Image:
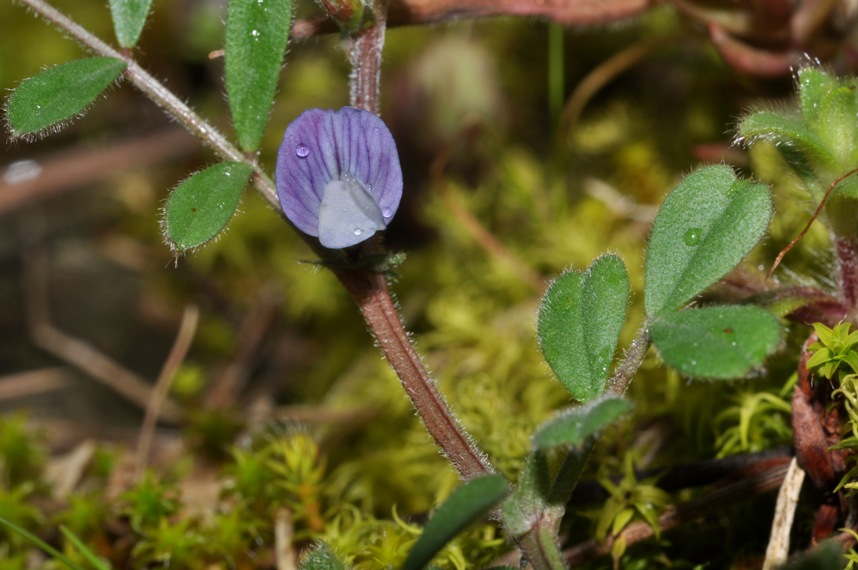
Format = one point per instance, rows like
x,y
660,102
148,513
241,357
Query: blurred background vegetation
x,y
285,402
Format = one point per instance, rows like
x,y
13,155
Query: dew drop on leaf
x,y
692,236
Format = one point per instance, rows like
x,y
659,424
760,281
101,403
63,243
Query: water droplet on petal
x,y
386,213
358,231
302,150
692,236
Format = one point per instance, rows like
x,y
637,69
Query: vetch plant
x,y
338,180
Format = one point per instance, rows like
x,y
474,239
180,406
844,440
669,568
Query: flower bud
x,y
338,175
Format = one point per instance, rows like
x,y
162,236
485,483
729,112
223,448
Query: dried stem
x,y
421,12
604,73
815,215
33,382
162,96
162,386
77,352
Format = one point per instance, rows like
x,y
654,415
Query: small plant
x,y
338,180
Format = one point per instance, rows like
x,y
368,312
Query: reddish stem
x,y
369,288
370,291
416,12
365,57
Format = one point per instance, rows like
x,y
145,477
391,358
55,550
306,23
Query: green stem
x,y
626,371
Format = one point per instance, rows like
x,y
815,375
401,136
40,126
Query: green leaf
x,y
38,542
704,228
574,425
826,335
827,556
813,86
59,93
784,132
321,557
200,207
837,123
129,16
716,342
96,562
256,35
467,503
580,320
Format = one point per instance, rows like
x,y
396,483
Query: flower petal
x,y
348,214
320,147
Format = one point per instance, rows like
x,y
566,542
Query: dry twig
x,y
162,386
77,352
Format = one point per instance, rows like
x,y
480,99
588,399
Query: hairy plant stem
x,y
370,291
626,371
158,93
364,50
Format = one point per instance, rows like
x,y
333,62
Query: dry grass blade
x,y
185,336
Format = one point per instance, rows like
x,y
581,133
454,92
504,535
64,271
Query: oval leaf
x,y
467,503
200,207
574,425
256,35
129,16
704,228
59,93
786,133
837,124
716,342
580,320
814,85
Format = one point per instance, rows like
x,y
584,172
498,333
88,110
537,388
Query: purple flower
x,y
338,175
